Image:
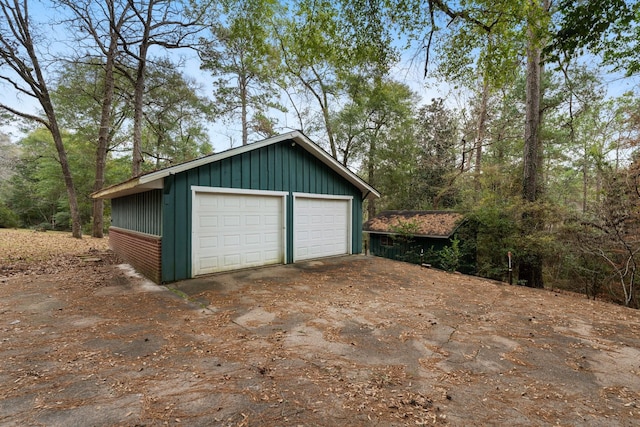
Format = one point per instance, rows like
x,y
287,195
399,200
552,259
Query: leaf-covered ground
x,y
357,341
37,252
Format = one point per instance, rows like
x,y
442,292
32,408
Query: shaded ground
x,y
344,341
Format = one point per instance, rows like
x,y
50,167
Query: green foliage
x,y
606,27
62,221
496,232
610,231
36,189
453,255
118,170
450,257
466,49
8,156
243,57
437,137
376,129
8,218
36,192
493,224
78,101
405,229
175,117
330,51
404,245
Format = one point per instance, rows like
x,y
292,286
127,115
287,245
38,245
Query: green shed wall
x,y
399,248
410,252
140,212
278,167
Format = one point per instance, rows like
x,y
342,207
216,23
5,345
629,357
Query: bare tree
x,y
101,22
613,233
160,23
21,68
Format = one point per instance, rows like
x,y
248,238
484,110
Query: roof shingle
x,y
423,223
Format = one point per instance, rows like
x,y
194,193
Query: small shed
x,y
277,201
406,234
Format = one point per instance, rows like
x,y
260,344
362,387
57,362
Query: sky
x,y
223,136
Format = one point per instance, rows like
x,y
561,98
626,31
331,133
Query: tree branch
x,y
462,14
25,115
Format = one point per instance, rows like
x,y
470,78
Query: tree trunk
x,y
52,125
323,100
243,112
138,116
158,149
371,203
585,182
28,70
530,265
329,127
480,131
76,223
104,136
97,229
139,93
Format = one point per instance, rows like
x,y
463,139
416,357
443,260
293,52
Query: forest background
x,y
530,126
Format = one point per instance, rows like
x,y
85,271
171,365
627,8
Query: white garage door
x,y
232,231
321,227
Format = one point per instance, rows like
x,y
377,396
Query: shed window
x,y
386,241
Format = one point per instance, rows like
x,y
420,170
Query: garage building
x,y
277,201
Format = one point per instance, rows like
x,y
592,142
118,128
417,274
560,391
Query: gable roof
x,y
439,224
155,180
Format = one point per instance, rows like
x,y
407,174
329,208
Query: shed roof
x,y
439,224
155,180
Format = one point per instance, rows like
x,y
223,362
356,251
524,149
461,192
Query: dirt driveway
x,y
351,341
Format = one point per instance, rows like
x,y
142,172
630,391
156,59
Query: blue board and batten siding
x,y
140,212
283,166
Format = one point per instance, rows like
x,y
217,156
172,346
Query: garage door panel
x,y
272,220
321,227
252,220
231,221
234,231
232,202
252,257
272,238
210,262
208,242
252,203
231,241
208,202
273,202
209,221
231,260
272,256
252,239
